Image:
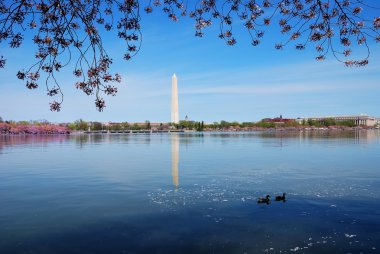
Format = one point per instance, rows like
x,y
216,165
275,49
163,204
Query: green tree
x,y
200,126
190,125
23,123
291,124
328,122
264,124
116,127
224,124
96,126
135,126
125,125
72,126
147,125
348,123
312,122
81,125
246,124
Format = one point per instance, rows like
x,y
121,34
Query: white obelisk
x,y
175,114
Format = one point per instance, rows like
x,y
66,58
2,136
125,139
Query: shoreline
x,y
229,130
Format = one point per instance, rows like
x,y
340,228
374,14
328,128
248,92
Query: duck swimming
x,y
280,198
264,200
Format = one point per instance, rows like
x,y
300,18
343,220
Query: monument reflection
x,y
175,158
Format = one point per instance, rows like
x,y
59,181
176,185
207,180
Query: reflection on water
x,y
16,140
175,158
279,136
115,193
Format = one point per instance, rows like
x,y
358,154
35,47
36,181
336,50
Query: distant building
x,y
278,120
152,125
362,119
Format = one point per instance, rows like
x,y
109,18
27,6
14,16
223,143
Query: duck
x,y
264,200
280,198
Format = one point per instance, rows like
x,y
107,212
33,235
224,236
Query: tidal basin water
x,y
190,193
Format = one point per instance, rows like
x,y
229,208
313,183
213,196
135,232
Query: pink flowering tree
x,y
22,128
4,128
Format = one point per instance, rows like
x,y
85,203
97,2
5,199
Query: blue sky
x,y
216,82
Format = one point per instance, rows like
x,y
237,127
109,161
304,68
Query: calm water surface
x,y
190,193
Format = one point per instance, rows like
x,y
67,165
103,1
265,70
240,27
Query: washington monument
x,y
175,114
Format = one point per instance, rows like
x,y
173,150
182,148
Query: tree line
x,y
82,125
